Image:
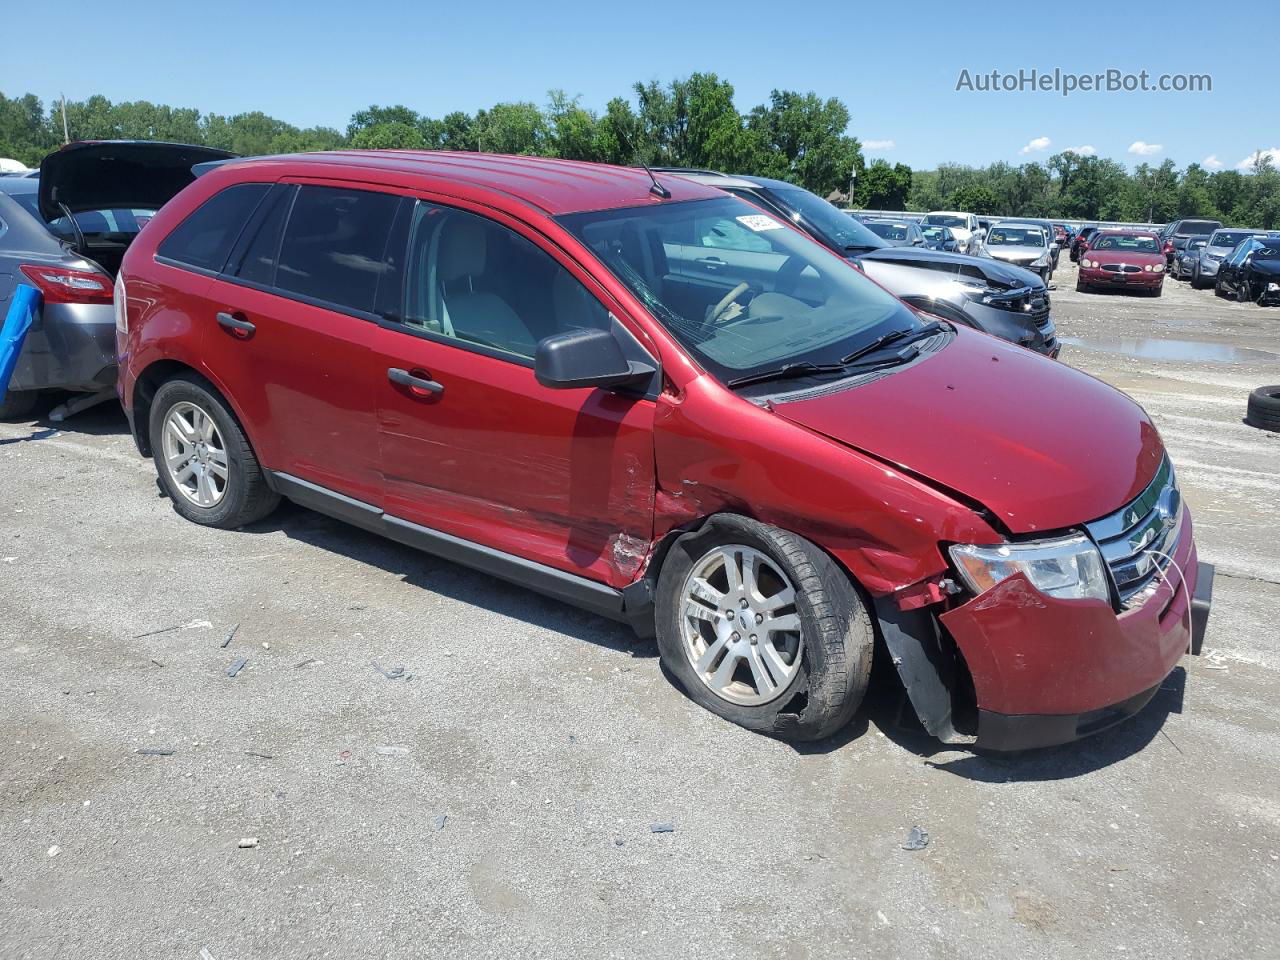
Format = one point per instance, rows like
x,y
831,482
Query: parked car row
x,y
679,399
1243,265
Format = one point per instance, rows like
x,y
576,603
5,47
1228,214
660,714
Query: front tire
x,y
203,459
761,627
18,403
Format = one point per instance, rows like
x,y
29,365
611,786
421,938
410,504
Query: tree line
x,y
1079,187
691,122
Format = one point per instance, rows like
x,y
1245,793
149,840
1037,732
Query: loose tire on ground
x,y
832,661
1263,410
242,495
18,403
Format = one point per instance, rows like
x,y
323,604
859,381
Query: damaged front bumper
x,y
1040,670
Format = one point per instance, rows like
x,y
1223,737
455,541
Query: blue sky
x,y
895,64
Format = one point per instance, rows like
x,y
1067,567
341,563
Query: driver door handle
x,y
711,263
241,329
418,386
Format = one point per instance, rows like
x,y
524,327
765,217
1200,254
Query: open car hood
x,y
1039,444
996,273
117,174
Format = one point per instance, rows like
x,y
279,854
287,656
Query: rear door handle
x,y
418,386
242,329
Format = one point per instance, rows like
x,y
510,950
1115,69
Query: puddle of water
x,y
1152,349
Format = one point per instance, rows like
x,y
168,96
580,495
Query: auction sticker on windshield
x,y
759,222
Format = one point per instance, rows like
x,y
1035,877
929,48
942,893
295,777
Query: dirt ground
x,y
500,802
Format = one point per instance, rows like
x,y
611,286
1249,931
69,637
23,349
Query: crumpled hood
x,y
1040,444
118,174
997,273
1269,267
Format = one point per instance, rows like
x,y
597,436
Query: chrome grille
x,y
1122,267
1136,541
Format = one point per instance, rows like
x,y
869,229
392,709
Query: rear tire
x,y
819,671
203,459
18,403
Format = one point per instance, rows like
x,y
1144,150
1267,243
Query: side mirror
x,y
917,241
585,358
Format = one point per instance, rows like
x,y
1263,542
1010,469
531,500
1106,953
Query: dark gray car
x,y
65,233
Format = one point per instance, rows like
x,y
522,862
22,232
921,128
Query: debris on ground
x,y
917,839
206,955
247,843
156,662
156,751
237,665
305,662
662,828
391,673
53,851
438,822
258,754
156,633
393,751
230,636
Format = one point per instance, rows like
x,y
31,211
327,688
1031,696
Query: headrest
x,y
462,249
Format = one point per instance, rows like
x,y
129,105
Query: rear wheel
x,y
763,628
18,403
203,459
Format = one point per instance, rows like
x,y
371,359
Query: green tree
x,y
516,128
389,135
574,131
974,198
882,187
802,138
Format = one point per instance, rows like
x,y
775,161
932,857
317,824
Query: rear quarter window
x,y
205,238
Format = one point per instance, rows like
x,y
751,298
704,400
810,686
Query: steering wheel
x,y
789,274
723,305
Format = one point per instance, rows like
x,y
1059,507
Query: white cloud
x,y
879,144
1144,149
1088,150
1038,145
1211,162
1248,162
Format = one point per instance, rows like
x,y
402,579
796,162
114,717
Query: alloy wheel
x,y
740,625
195,455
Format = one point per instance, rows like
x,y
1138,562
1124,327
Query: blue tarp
x,y
16,324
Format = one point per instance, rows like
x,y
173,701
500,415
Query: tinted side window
x,y
206,237
334,244
474,280
257,263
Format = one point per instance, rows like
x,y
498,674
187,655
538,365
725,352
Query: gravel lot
x,y
499,803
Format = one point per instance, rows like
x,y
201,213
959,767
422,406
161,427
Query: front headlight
x,y
1041,261
1158,268
1087,263
1273,288
1070,568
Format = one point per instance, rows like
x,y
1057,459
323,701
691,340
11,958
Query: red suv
x,y
547,370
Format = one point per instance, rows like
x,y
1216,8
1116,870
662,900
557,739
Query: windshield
x,y
937,233
1128,243
942,220
837,226
1015,237
890,231
1198,227
92,223
742,292
1228,238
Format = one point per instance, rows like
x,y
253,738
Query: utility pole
x,y
66,135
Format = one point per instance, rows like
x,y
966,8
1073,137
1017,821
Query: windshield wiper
x,y
788,371
893,336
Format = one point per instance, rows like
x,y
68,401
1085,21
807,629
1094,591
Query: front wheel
x,y
203,459
18,403
763,628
